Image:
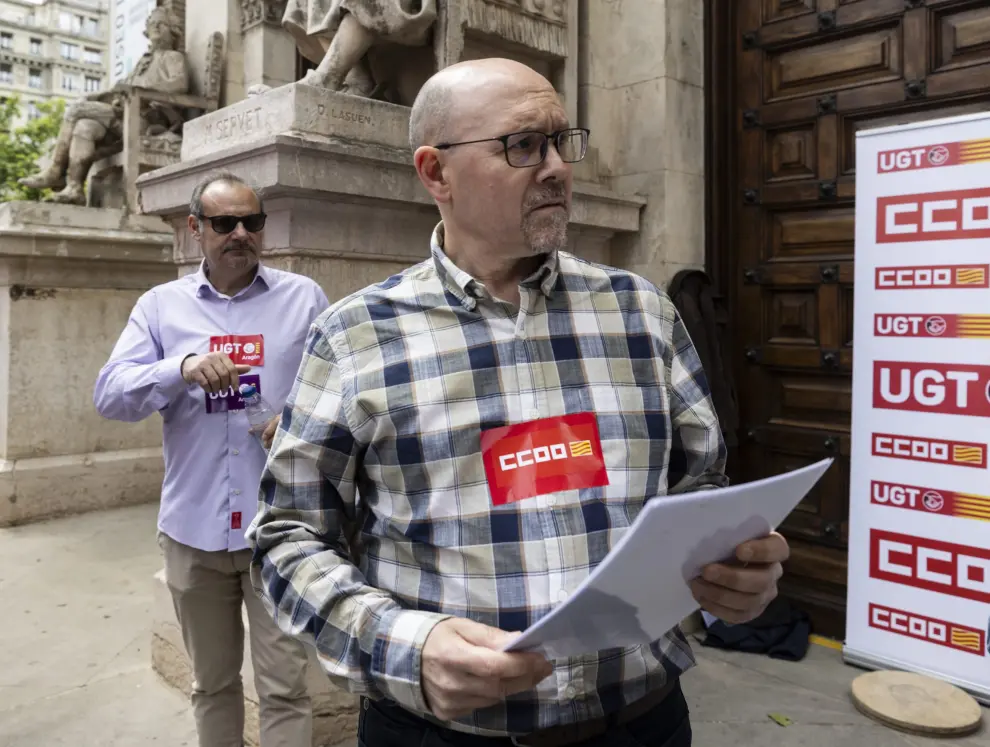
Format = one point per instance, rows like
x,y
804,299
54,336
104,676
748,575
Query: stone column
x,y
269,50
203,19
642,89
69,277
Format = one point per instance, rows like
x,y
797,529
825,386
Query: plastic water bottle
x,y
259,412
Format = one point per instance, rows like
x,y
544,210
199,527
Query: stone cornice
x,y
292,164
256,12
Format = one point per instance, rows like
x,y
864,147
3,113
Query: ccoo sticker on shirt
x,y
231,399
247,350
543,456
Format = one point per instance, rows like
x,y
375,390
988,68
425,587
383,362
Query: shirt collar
x,y
262,278
468,290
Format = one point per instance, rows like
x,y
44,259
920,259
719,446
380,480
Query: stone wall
x,y
631,70
642,95
69,277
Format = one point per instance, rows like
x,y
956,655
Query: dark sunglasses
x,y
227,223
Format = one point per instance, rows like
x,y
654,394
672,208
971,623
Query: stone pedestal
x,y
335,711
203,19
269,50
345,205
642,95
69,277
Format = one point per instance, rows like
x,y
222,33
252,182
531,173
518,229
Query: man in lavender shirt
x,y
187,346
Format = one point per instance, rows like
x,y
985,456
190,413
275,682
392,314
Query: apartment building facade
x,y
53,49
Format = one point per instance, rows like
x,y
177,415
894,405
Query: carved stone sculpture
x,y
340,34
93,126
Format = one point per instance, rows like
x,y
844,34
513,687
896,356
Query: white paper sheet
x,y
640,590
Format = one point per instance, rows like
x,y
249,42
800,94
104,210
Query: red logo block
x,y
932,276
934,216
931,450
247,350
945,388
543,456
930,500
930,629
921,563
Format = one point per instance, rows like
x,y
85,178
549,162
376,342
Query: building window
x,y
94,27
6,41
32,112
65,21
36,47
92,84
34,79
93,56
6,73
70,51
69,82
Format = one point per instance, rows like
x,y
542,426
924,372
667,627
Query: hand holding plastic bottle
x,y
262,420
214,372
269,433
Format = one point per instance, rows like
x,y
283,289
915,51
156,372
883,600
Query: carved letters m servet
x,y
241,123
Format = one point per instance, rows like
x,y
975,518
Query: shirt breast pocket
x,y
634,425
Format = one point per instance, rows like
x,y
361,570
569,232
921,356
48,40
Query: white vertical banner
x,y
919,522
128,42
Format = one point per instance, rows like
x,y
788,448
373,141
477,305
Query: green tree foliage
x,y
22,146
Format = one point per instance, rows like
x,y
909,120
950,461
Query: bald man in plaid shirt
x,y
489,423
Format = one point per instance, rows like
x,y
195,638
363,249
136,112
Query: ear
x,y
194,228
430,172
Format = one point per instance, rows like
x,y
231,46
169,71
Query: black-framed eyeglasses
x,y
529,147
227,223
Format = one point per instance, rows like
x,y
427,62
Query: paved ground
x,y
75,601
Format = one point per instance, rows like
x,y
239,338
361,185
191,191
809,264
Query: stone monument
x,y
93,126
362,47
330,155
140,118
69,276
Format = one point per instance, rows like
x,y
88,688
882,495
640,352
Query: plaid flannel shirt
x,y
396,384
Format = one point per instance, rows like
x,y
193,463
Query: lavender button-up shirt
x,y
213,464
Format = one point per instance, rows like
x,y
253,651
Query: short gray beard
x,y
548,235
545,234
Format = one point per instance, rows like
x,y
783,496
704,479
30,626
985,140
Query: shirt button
x,y
569,691
562,595
533,414
235,452
237,492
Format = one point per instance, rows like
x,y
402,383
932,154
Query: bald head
x,y
465,91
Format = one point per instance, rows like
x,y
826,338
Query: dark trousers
x,y
385,724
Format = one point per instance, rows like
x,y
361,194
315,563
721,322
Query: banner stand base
x,y
873,662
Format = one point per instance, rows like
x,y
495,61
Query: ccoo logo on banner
x,y
919,488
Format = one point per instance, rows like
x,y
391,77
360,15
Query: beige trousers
x,y
208,589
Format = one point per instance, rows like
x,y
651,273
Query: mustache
x,y
238,244
552,192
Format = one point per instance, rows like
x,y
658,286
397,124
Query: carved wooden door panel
x,y
809,74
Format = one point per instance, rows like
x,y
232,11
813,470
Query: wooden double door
x,y
790,82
